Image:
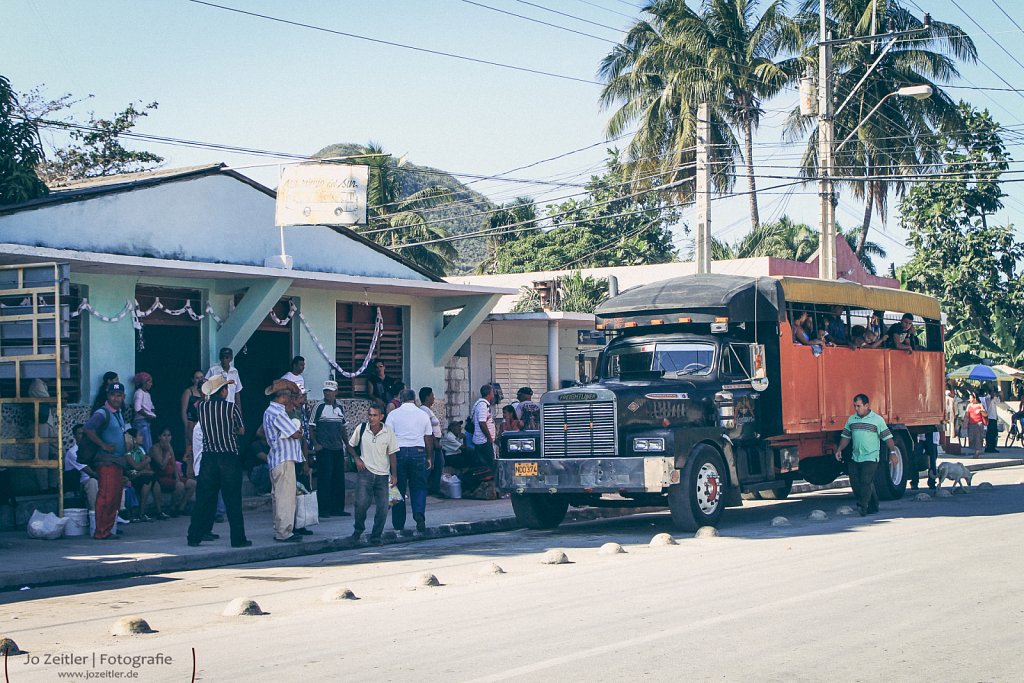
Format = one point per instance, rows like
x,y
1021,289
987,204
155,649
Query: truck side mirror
x,y
758,375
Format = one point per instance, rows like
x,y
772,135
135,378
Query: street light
x,y
918,92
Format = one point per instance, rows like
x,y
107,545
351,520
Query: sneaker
x,y
162,516
120,520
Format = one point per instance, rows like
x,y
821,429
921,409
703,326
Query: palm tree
x,y
395,221
723,55
900,138
521,212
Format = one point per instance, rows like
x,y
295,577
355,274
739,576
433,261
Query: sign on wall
x,y
322,194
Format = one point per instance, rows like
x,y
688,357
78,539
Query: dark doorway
x,y
264,358
171,355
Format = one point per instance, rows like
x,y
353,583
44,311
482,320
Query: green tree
x,y
613,225
20,151
400,222
899,139
521,213
960,257
675,58
96,150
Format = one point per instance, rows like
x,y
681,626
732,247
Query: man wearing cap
x,y
329,437
220,423
284,435
106,429
526,410
226,369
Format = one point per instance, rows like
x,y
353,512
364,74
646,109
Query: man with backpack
x,y
328,431
105,452
374,447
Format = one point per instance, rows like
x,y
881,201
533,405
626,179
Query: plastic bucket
x,y
78,521
92,523
451,488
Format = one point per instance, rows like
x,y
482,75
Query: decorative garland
x,y
132,308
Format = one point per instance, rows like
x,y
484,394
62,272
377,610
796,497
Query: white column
x,y
553,374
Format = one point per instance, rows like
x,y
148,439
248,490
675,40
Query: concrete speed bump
x,y
9,648
817,516
707,532
491,569
943,493
611,549
424,580
922,497
845,510
780,521
554,557
336,594
243,607
662,540
130,626
986,485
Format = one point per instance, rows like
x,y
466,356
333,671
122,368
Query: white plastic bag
x,y
394,496
46,526
307,511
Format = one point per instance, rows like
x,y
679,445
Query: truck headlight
x,y
648,445
522,445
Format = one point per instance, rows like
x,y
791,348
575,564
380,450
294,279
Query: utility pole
x,y
703,189
827,246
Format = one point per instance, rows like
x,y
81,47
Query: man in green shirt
x,y
867,430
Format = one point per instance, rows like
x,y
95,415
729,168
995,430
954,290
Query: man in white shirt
x,y
426,405
484,433
226,368
78,476
298,366
374,448
415,439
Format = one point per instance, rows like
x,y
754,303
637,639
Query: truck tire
x,y
699,497
891,482
539,510
777,493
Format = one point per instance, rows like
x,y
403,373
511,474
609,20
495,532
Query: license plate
x,y
526,469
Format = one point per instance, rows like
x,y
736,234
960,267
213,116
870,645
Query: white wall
x,y
515,336
213,218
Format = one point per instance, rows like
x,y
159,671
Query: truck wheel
x,y
890,481
539,511
777,493
699,497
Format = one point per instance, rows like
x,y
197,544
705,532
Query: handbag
x,y
307,510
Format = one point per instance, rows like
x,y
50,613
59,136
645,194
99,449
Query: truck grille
x,y
578,430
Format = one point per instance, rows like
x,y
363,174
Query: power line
x,y
570,16
611,11
1012,20
998,44
390,43
538,21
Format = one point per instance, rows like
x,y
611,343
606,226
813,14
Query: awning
x,y
833,292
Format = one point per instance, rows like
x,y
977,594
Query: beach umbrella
x,y
984,373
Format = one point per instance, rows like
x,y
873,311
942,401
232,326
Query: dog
x,y
956,473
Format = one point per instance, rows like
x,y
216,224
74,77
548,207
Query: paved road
x,y
923,591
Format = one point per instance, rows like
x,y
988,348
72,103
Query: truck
x,y
704,397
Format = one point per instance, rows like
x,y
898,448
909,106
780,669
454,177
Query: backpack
x,y
360,430
87,450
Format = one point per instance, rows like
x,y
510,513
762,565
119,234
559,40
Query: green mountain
x,y
462,216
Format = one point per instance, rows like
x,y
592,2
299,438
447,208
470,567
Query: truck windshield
x,y
663,359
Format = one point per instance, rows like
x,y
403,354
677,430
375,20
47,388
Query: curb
x,y
844,482
12,581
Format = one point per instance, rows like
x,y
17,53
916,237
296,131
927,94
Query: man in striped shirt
x,y
867,430
285,439
221,472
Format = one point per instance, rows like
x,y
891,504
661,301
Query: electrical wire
x,y
538,21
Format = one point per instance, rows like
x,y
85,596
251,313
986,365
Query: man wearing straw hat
x,y
284,436
221,472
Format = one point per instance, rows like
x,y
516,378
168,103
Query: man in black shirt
x,y
221,468
903,336
378,383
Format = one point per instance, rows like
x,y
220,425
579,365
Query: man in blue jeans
x,y
374,449
415,456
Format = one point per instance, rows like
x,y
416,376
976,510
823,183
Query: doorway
x,y
264,358
171,355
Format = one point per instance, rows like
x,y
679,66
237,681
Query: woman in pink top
x,y
977,421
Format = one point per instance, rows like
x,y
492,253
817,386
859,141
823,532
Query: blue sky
x,y
228,78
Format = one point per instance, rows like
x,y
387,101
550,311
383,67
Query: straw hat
x,y
282,385
214,384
